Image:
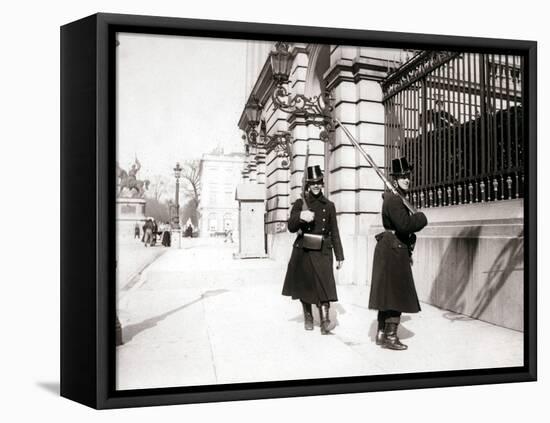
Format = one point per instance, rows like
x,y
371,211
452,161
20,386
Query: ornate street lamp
x,y
280,142
253,110
281,62
176,219
316,110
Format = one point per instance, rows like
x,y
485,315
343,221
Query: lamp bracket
x,y
317,110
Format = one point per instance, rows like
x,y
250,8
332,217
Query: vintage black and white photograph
x,y
293,210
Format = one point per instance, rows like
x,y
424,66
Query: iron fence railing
x,y
458,118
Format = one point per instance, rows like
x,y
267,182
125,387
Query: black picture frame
x,y
88,213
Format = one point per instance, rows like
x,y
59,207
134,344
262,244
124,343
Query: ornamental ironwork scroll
x,y
280,143
316,110
413,70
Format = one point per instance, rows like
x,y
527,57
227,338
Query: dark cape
x,y
392,283
166,238
310,275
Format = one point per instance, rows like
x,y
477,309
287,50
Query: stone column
x,y
354,77
260,166
252,165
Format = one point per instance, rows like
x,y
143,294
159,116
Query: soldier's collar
x,y
321,198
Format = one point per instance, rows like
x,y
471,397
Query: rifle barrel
x,y
304,180
370,161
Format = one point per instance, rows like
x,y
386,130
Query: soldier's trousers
x,y
388,316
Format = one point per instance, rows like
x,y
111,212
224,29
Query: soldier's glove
x,y
307,216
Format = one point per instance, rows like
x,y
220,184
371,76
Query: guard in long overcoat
x,y
392,285
310,276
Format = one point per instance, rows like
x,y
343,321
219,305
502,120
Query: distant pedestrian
x,y
166,235
228,236
189,231
309,276
155,231
148,232
392,285
136,230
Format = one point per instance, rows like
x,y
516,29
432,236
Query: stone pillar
x,y
260,166
245,173
175,238
303,133
252,165
354,78
277,178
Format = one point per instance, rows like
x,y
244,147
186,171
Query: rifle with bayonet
x,y
304,181
369,159
304,185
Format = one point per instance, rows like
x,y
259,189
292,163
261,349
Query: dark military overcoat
x,y
392,284
309,276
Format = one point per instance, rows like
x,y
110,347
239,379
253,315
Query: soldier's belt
x,y
312,242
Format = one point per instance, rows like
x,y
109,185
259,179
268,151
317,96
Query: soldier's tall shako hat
x,y
400,167
314,174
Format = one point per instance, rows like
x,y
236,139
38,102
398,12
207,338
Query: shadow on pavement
x,y
130,331
402,331
450,315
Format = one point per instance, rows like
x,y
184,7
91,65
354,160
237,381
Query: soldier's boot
x,y
391,340
308,316
380,334
325,321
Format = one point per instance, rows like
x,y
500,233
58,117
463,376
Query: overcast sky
x,y
177,98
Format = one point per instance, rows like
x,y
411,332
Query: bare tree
x,y
157,209
189,212
158,187
191,181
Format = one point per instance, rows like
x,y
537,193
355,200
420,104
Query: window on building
x,y
212,222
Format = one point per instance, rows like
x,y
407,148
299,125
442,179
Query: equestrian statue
x,y
129,180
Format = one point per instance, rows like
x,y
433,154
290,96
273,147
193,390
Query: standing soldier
x,y
310,276
392,287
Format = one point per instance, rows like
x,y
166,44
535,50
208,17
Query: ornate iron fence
x,y
458,118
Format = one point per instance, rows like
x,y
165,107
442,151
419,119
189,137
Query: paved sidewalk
x,y
132,258
197,317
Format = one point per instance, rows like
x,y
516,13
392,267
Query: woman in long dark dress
x,y
166,235
309,275
392,285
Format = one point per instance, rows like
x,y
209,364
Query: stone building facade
x,y
485,240
219,176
